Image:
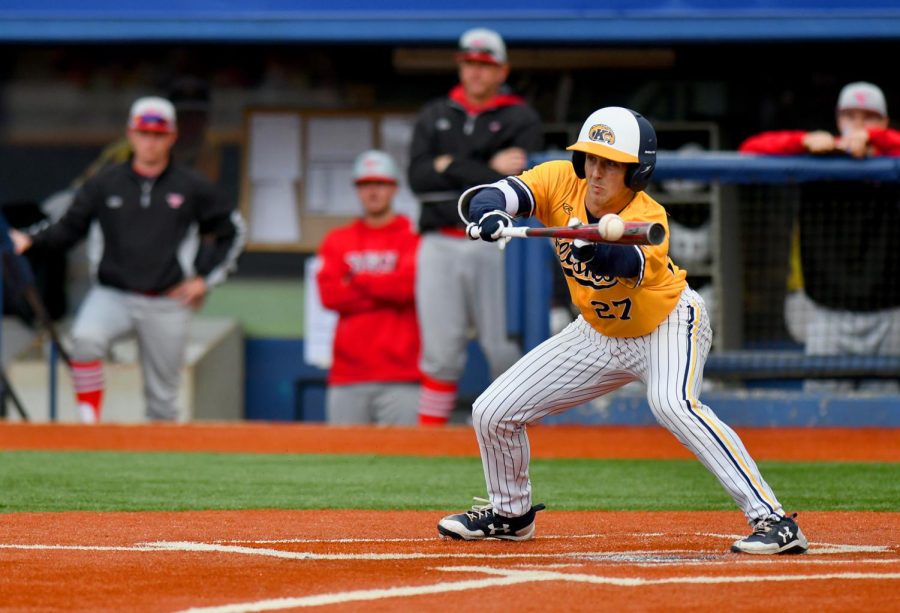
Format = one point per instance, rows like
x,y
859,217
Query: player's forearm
x,y
59,236
616,261
423,178
787,142
218,254
509,195
464,172
396,288
342,297
886,141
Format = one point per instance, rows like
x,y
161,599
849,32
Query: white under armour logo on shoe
x,y
785,534
503,529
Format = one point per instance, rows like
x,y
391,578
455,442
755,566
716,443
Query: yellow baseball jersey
x,y
613,306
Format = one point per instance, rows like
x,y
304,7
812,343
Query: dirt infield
x,y
834,444
352,560
265,560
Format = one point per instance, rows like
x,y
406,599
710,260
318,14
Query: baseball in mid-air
x,y
611,227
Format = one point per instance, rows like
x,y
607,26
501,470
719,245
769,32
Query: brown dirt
x,y
688,547
845,444
116,561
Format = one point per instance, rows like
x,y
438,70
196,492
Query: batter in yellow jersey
x,y
640,321
613,306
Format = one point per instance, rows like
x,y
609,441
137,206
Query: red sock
x,y
87,377
436,401
431,420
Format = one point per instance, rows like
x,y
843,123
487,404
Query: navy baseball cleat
x,y
773,535
483,522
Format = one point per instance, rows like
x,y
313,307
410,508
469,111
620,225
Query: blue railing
x,y
737,168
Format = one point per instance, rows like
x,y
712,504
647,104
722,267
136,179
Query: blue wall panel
x,y
272,369
392,21
781,409
281,387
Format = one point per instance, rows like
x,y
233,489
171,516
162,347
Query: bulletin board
x,y
297,181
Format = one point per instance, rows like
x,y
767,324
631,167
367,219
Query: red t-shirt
x,y
368,277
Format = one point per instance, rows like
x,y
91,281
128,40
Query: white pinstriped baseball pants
x,y
579,364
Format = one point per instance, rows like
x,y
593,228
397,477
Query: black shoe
x,y
484,522
773,535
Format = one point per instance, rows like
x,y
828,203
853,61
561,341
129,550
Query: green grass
x,y
111,481
265,308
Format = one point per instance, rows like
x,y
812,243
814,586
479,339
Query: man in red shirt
x,y
368,277
862,123
842,296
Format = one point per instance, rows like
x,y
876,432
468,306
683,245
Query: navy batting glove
x,y
583,251
491,224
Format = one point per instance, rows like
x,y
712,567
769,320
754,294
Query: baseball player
x,y
368,276
479,133
167,239
639,321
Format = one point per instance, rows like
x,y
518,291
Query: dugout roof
x,y
423,21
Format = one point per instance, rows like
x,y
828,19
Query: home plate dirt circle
x,y
230,561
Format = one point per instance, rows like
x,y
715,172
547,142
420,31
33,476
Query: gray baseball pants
x,y
461,285
387,404
161,327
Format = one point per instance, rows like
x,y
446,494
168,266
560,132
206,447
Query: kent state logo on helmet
x,y
375,167
621,135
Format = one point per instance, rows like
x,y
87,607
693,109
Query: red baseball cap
x,y
152,114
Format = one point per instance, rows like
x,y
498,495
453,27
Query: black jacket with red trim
x,y
145,223
472,136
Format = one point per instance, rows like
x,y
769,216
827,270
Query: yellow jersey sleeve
x,y
614,306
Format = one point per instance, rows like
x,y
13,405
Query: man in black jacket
x,y
479,133
167,239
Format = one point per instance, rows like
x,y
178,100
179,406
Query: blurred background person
x,y
842,295
368,276
150,278
479,133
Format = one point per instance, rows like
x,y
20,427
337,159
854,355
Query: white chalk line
x,y
419,540
504,577
817,547
139,547
827,549
307,555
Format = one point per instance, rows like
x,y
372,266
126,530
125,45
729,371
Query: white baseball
x,y
611,227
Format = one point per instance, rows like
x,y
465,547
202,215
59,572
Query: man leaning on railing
x,y
843,297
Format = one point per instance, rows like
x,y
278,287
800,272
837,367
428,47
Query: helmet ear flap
x,y
578,160
637,176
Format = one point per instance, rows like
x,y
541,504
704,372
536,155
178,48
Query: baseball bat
x,y
636,233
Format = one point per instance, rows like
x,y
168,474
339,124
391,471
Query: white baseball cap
x,y
862,95
481,45
152,114
375,167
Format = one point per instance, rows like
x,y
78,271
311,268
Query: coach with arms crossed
x,y
477,134
151,213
